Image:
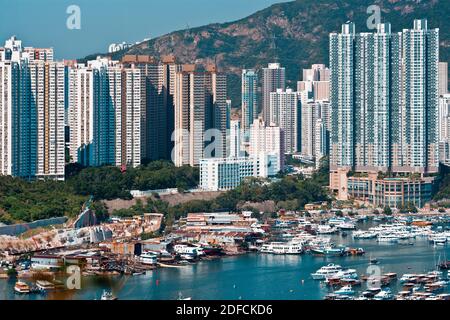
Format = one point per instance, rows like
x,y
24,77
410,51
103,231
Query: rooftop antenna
x,y
273,46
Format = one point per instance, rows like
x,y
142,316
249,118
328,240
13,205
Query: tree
x,y
387,211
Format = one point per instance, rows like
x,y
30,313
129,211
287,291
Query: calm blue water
x,y
254,276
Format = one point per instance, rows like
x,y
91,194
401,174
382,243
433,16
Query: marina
x,y
260,275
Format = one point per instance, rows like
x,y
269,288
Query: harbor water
x,y
255,275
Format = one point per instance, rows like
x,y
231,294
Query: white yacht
x,y
148,258
346,226
326,229
326,271
384,294
282,247
345,290
346,274
387,238
188,249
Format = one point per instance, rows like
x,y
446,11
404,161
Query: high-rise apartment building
x,y
267,140
284,112
105,114
249,98
443,78
200,115
274,77
384,112
157,112
47,94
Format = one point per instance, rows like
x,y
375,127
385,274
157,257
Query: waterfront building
x,y
384,104
284,112
274,77
249,97
200,105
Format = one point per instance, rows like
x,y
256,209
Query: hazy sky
x,y
42,23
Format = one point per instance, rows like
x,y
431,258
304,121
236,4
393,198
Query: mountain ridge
x,y
293,33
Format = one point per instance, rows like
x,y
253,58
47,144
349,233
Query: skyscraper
x,y
157,112
274,77
105,114
284,113
443,78
249,97
267,140
384,110
200,105
48,94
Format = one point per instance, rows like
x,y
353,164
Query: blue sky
x,y
42,23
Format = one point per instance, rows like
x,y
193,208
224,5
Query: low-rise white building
x,y
217,174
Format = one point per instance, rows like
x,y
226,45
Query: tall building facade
x,y
443,78
157,112
284,112
200,115
249,98
105,114
384,108
274,77
267,140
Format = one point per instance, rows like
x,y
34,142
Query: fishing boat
x,y
345,290
21,288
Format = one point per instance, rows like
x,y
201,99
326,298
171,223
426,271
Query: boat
x,y
148,258
107,295
384,294
21,288
43,285
374,261
444,265
188,249
282,248
387,238
328,250
326,271
345,290
346,226
181,297
326,229
364,235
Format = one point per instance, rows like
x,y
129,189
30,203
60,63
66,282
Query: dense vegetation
x,y
289,192
111,183
24,201
21,200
